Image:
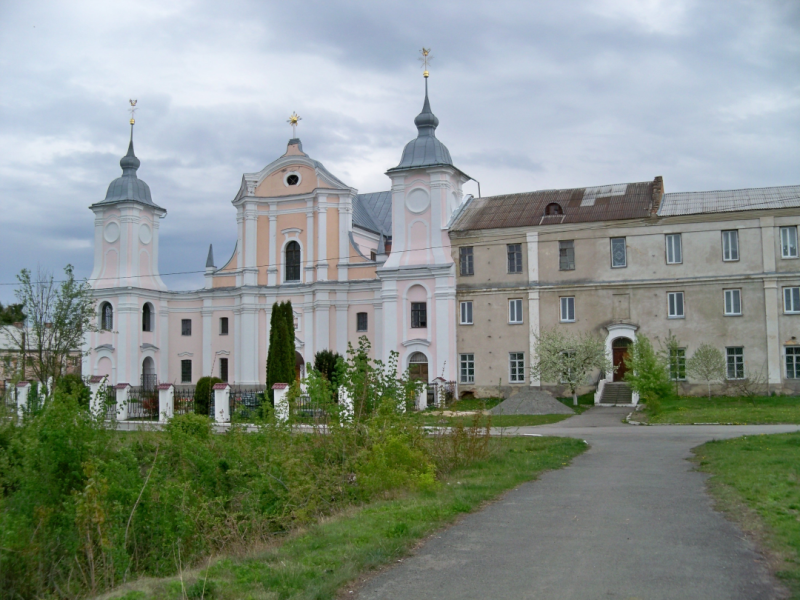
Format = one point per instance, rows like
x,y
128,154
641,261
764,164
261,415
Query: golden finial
x,y
132,110
293,119
425,59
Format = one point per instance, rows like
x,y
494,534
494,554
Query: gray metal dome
x,y
129,186
425,150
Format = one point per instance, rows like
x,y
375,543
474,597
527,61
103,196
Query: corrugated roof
x,y
373,212
692,203
578,205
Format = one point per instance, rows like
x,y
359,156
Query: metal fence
x,y
142,404
246,401
442,393
184,399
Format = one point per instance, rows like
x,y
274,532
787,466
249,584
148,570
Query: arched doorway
x,y
418,367
619,349
299,366
149,377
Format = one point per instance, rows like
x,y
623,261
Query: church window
x,y
223,326
223,369
419,314
186,327
361,321
292,179
292,261
106,316
186,371
147,317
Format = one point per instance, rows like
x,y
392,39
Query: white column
x,y
322,246
345,226
237,342
166,402
247,357
250,242
445,306
281,402
308,256
163,334
96,383
534,319
390,300
222,403
771,306
322,312
123,395
272,271
308,324
23,388
207,313
239,244
377,307
122,339
341,326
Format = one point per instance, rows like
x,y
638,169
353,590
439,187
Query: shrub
x,y
202,394
648,373
72,385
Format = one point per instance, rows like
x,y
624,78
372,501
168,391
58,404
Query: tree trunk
x,y
574,398
709,389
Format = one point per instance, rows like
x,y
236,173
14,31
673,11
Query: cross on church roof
x,y
293,119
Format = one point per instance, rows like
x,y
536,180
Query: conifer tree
x,y
281,355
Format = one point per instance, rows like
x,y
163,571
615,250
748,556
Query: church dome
x,y
425,150
129,186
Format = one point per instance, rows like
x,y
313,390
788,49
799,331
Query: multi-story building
x,y
458,286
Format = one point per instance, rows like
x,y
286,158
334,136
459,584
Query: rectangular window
x,y
733,303
793,362
514,258
419,315
568,309
730,245
791,300
735,358
788,242
515,311
467,370
373,256
223,369
223,326
186,327
674,250
566,256
516,364
466,313
677,364
466,260
619,253
675,305
361,321
186,371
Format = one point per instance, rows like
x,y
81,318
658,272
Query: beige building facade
x,y
709,267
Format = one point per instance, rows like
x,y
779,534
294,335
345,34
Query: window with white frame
x,y
619,253
791,300
568,309
733,303
674,250
730,245
793,362
467,368
516,367
677,364
515,311
735,362
789,242
675,305
466,312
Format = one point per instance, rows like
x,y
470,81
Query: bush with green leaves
x,y
281,353
648,373
706,364
203,391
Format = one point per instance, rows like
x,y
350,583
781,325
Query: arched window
x,y
147,317
554,209
292,261
106,316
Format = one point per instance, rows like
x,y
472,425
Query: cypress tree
x,y
289,356
274,355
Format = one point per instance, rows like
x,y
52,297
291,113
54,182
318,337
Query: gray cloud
x,y
530,96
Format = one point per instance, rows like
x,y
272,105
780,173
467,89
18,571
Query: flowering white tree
x,y
568,358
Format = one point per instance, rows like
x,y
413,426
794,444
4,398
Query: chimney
x,y
658,195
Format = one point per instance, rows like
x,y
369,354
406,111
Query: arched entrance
x,y
299,366
418,367
149,377
620,348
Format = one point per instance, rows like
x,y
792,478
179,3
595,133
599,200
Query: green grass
x,y
756,480
323,559
761,410
475,404
585,402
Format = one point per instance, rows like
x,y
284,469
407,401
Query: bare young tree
x,y
568,358
706,364
57,316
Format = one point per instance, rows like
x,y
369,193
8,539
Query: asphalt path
x,y
628,519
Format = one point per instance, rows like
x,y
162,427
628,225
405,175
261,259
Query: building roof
x,y
692,203
373,212
129,186
424,150
578,205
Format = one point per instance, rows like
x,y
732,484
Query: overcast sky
x,y
530,95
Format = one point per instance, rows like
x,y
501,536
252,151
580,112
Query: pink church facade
x,y
377,265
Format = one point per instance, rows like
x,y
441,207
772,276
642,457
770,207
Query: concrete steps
x,y
616,392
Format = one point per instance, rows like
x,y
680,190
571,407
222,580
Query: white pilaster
x,y
207,314
308,325
308,256
322,247
250,273
345,226
534,317
341,327
272,271
322,312
389,297
771,305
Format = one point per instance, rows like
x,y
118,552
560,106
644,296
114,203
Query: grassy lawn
x,y
756,480
475,404
585,402
324,558
761,410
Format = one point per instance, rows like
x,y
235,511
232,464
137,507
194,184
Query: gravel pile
x,y
532,402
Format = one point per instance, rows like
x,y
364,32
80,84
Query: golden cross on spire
x,y
132,110
425,59
293,119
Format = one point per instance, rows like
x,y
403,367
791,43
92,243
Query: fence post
x,y
422,399
281,402
23,387
96,383
346,402
166,402
123,397
222,403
